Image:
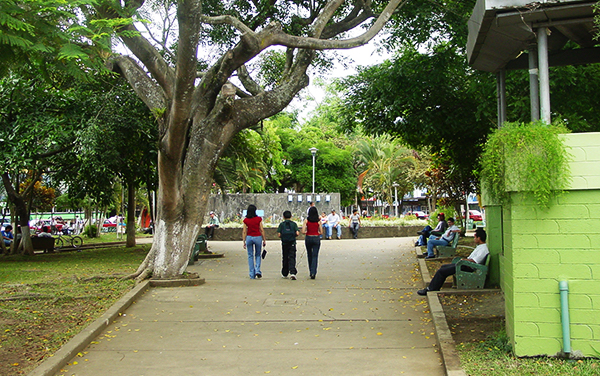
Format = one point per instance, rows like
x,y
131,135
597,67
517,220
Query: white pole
x,y
313,151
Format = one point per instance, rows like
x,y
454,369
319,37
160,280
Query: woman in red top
x,y
313,230
253,235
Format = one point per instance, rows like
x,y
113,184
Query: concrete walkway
x,y
360,316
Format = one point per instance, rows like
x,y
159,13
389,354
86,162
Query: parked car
x,y
421,215
475,215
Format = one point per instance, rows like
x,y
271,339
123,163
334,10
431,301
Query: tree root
x,y
96,278
144,271
26,297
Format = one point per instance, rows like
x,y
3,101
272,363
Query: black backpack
x,y
288,234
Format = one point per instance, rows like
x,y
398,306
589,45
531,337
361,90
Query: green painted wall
x,y
541,247
493,215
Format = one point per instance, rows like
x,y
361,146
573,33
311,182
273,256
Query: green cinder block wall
x,y
541,247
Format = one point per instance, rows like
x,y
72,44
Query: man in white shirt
x,y
333,220
479,256
445,239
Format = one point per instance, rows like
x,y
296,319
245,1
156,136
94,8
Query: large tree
x,y
199,108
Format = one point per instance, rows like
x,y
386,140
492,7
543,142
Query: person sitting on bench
x,y
427,231
445,239
479,255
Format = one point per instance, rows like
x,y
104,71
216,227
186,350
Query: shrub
x,y
91,231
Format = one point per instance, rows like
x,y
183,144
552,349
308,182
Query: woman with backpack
x,y
313,230
288,231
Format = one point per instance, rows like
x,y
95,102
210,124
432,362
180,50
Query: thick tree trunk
x,y
26,243
130,215
181,204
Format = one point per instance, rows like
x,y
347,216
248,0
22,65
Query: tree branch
x,y
140,47
228,20
280,38
147,89
249,84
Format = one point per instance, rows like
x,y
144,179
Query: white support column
x,y
534,83
544,74
501,96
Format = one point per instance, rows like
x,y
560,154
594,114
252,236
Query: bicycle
x,y
65,240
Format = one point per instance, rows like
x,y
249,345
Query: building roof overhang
x,y
499,32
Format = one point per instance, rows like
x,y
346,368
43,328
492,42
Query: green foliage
x,y
499,341
385,166
43,33
526,157
91,231
447,210
493,357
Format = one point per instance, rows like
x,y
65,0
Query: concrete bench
x,y
44,244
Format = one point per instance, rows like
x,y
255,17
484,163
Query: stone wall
x,y
231,206
363,232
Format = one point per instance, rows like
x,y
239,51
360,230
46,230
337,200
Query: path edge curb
x,y
68,351
445,341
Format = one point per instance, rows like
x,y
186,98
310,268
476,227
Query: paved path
x,y
360,316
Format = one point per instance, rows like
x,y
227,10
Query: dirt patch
x,y
472,317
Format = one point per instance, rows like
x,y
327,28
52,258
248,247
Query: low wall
x,y
363,232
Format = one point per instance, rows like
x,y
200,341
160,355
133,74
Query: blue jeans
x,y
432,242
338,227
425,235
313,244
354,228
253,246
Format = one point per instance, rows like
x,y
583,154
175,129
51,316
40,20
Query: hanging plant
x,y
529,158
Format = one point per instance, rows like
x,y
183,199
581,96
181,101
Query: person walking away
x,y
288,231
253,235
479,256
354,223
312,229
214,223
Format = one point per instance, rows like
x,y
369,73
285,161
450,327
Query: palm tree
x,y
383,162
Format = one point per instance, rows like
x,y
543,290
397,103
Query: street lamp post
x,y
313,151
395,185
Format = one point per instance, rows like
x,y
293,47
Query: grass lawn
x,y
47,299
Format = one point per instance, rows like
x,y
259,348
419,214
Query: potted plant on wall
x,y
530,158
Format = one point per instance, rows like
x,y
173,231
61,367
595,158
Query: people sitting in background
x,y
149,229
354,223
479,256
209,230
442,225
445,239
7,235
323,221
333,220
45,233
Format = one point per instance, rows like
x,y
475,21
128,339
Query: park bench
x,y
199,247
475,279
44,244
448,250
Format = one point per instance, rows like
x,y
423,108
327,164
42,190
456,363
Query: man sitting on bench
x,y
445,239
478,256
